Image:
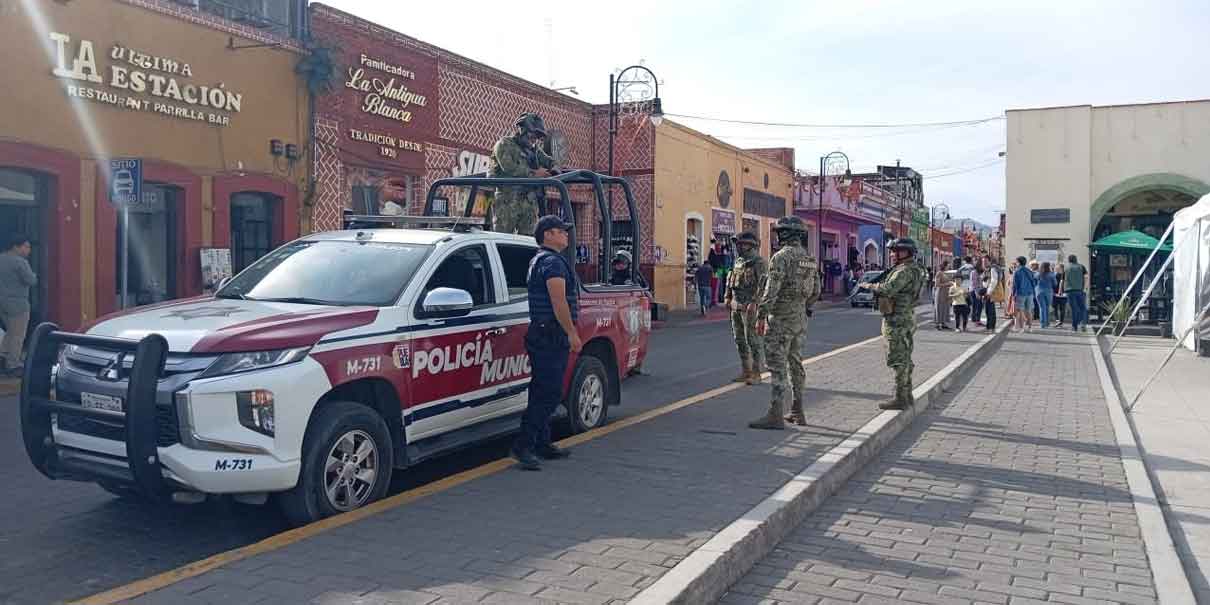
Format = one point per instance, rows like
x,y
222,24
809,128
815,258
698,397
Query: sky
x,y
843,63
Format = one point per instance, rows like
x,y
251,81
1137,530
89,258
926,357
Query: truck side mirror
x,y
447,302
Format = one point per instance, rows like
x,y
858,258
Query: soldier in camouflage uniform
x,y
515,209
897,294
790,289
744,285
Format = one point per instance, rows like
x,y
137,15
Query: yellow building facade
x,y
705,189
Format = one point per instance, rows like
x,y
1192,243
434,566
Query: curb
x,y
1167,571
708,572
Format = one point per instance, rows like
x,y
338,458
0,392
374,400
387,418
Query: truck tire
x,y
588,395
347,459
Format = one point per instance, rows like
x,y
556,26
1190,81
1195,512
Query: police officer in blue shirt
x,y
553,308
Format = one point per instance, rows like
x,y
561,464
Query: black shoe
x,y
553,452
526,460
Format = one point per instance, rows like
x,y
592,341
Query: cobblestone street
x,y
1009,491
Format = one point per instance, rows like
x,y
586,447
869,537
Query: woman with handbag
x,y
995,290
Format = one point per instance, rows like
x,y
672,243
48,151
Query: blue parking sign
x,y
125,182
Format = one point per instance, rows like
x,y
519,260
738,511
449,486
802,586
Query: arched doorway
x,y
24,201
1145,204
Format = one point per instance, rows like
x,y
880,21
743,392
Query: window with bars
x,y
251,227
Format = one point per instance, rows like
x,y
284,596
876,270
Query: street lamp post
x,y
823,167
657,112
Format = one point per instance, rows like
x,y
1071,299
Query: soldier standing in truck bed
x,y
515,209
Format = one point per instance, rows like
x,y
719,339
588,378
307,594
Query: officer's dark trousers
x,y
548,349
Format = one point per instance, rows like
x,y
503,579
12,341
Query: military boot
x,y
771,421
907,397
796,415
753,376
745,373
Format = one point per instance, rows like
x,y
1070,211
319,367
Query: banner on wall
x,y
868,233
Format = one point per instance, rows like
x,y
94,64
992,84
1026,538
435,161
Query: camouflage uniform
x,y
902,287
744,284
791,288
515,209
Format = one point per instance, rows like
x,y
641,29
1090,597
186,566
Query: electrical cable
x,y
802,125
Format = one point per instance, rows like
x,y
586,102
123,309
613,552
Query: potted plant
x,y
1118,314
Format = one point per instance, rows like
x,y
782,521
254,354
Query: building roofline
x,y
1143,104
744,152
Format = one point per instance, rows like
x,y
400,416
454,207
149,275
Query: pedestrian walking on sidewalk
x,y
1075,279
16,278
996,292
791,288
896,301
957,295
1024,289
744,284
550,340
703,278
1046,294
1060,309
941,296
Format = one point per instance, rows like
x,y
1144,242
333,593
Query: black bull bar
x,y
138,408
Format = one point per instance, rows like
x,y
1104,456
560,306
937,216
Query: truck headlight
x,y
233,363
256,410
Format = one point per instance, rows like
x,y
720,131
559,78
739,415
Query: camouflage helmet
x,y
531,122
622,256
904,243
749,238
792,224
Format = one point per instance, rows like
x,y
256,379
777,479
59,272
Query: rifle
x,y
866,284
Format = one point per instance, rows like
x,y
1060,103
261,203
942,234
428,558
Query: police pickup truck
x,y
319,370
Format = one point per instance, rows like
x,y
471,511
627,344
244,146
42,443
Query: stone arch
x,y
1137,184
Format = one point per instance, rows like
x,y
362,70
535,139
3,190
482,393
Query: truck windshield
x,y
330,273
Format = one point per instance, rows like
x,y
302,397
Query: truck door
x,y
463,368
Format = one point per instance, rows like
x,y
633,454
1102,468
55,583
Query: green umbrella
x,y
1130,240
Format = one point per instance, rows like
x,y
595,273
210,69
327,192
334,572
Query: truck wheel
x,y
588,397
347,461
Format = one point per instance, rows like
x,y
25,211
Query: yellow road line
x,y
286,538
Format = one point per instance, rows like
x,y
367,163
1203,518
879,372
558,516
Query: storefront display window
x,y
23,199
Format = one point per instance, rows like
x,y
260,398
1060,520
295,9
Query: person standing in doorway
x,y
744,285
550,340
16,278
1046,293
1075,279
703,277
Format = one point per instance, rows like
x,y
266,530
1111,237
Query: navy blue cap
x,y
550,221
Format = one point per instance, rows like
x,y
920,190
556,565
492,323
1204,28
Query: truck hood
x,y
210,325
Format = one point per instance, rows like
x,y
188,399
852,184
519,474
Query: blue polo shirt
x,y
547,264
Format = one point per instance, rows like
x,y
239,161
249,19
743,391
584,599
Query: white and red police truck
x,y
322,367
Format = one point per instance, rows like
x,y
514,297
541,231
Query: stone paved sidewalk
x,y
1009,491
593,529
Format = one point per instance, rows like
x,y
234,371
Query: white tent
x,y
1191,274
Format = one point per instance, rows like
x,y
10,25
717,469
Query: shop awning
x,y
1130,240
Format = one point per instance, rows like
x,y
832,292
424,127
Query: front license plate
x,y
101,402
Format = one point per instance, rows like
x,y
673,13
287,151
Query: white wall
x,y
1048,167
1066,157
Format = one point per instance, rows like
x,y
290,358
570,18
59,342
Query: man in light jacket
x,y
16,278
